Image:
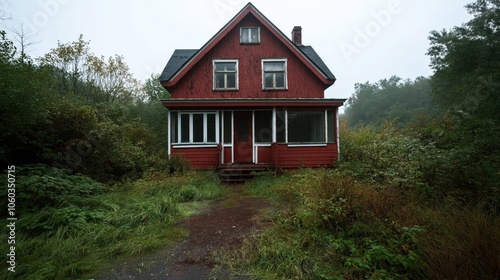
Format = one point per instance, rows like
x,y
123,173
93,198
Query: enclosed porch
x,y
259,133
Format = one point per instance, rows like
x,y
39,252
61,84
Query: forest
x,y
415,194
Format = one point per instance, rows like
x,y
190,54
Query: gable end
x,y
183,60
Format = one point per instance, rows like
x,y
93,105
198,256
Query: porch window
x,y
331,122
249,35
306,127
194,128
274,74
225,74
281,126
263,127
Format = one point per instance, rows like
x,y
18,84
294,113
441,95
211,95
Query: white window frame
x,y
191,132
324,127
249,29
285,61
214,82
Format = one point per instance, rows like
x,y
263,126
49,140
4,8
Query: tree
x,y
25,41
92,77
466,61
152,89
25,96
390,99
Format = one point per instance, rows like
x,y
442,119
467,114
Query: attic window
x,y
249,35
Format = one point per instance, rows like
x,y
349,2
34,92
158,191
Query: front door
x,y
243,137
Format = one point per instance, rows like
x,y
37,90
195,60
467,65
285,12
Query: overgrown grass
x,y
330,226
82,230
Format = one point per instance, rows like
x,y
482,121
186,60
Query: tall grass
x,y
331,226
79,235
461,243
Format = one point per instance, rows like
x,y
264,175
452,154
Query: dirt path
x,y
227,221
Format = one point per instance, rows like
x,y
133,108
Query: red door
x,y
243,137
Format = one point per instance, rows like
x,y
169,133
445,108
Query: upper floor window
x,y
274,74
225,74
249,35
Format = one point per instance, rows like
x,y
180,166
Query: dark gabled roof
x,y
314,57
178,66
176,61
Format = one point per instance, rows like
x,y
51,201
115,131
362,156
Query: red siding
x,y
200,158
296,157
198,82
264,155
228,157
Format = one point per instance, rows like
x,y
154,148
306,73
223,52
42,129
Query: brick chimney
x,y
297,35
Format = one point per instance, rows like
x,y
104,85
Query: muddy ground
x,y
222,225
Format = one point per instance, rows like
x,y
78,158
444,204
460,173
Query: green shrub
x,y
385,157
331,227
177,163
40,186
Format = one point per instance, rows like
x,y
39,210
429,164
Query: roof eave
x,y
248,103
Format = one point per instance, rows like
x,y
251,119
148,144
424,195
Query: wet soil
x,y
223,225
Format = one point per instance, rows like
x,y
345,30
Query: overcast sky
x,y
359,40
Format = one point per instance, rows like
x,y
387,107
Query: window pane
x,y
274,66
173,126
184,128
219,81
198,128
263,127
225,66
231,81
245,38
280,127
254,35
268,80
331,127
227,128
280,80
306,127
210,128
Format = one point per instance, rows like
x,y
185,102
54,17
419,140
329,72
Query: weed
x,y
76,225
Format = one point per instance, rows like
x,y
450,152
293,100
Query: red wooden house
x,y
251,95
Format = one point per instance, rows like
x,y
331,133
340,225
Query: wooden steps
x,y
240,173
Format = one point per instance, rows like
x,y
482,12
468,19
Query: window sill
x,y
263,144
308,145
187,146
225,89
274,89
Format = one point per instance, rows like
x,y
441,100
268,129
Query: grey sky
x,y
359,40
